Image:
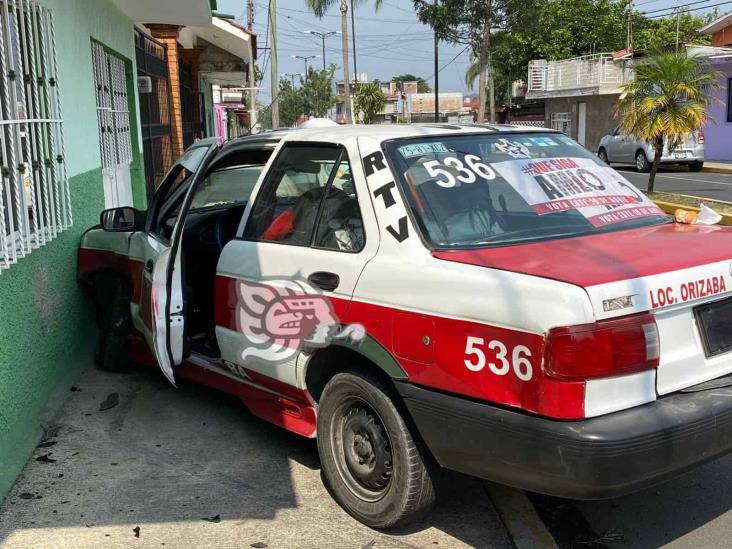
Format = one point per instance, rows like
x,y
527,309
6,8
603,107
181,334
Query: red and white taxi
x,y
489,299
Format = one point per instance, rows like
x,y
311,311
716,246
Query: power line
x,y
449,62
691,10
680,6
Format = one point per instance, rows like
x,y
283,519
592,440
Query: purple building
x,y
718,131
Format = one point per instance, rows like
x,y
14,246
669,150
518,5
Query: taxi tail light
x,y
700,137
602,349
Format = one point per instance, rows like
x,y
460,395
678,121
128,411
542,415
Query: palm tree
x,y
369,100
667,100
319,7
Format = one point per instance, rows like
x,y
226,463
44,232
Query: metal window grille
x,y
113,115
561,121
35,204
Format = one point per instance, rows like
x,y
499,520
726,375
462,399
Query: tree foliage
x,y
422,86
368,100
313,97
667,100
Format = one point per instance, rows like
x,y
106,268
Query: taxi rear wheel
x,y
373,461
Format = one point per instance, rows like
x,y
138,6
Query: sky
x,y
389,41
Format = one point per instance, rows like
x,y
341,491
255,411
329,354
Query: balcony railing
x,y
579,72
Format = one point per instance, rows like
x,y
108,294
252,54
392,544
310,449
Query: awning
x,y
229,36
173,12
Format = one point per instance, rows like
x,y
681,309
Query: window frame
x,y
343,153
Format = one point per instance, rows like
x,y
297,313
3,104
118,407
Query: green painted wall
x,y
46,325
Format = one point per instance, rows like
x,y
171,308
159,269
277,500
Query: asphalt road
x,y
717,186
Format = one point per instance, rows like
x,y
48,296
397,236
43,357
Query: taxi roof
x,y
381,132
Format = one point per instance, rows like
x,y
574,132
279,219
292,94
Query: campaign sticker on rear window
x,y
420,149
513,149
553,185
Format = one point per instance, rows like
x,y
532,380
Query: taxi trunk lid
x,y
669,269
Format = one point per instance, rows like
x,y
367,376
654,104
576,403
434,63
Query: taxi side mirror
x,y
124,219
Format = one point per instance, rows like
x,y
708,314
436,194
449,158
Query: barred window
x,y
34,196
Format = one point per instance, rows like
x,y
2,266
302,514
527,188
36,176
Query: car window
x,y
232,185
340,226
489,189
308,186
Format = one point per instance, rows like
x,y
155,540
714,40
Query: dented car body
x,y
490,299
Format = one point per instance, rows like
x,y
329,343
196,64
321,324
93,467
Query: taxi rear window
x,y
506,188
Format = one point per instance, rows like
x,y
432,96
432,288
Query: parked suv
x,y
616,147
493,300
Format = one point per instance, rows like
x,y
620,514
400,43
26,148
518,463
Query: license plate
x,y
680,155
715,326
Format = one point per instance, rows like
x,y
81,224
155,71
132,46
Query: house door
x,y
582,123
113,119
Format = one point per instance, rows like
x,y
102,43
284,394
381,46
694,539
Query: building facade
x,y
71,145
579,94
718,132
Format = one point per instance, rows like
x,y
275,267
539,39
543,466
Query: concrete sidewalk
x,y
717,167
190,467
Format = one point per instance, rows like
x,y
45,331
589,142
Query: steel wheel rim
x,y
362,449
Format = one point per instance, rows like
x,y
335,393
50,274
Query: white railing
x,y
579,72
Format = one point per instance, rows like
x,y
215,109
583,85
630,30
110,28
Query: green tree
x,y
667,100
317,91
319,8
468,22
660,34
422,86
368,100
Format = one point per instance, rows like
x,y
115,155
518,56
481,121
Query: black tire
x,y
114,326
388,478
696,166
602,155
641,162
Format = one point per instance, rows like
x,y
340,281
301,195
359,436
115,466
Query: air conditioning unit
x,y
518,88
144,84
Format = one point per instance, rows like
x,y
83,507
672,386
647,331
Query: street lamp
x,y
322,36
305,58
292,76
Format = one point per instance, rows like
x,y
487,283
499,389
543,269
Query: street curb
x,y
717,170
524,527
671,207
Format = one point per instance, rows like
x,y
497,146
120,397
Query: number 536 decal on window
x,y
503,364
468,172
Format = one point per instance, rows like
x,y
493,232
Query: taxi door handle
x,y
325,280
149,265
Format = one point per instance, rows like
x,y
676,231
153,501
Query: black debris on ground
x,y
370,544
46,458
46,444
110,402
215,519
136,530
74,388
26,495
259,545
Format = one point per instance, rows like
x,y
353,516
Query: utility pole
x,y
678,14
305,58
353,37
252,79
292,76
322,36
274,75
437,77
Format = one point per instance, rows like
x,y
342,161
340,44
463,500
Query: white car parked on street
x,y
626,149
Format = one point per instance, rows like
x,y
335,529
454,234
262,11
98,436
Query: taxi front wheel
x,y
374,463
